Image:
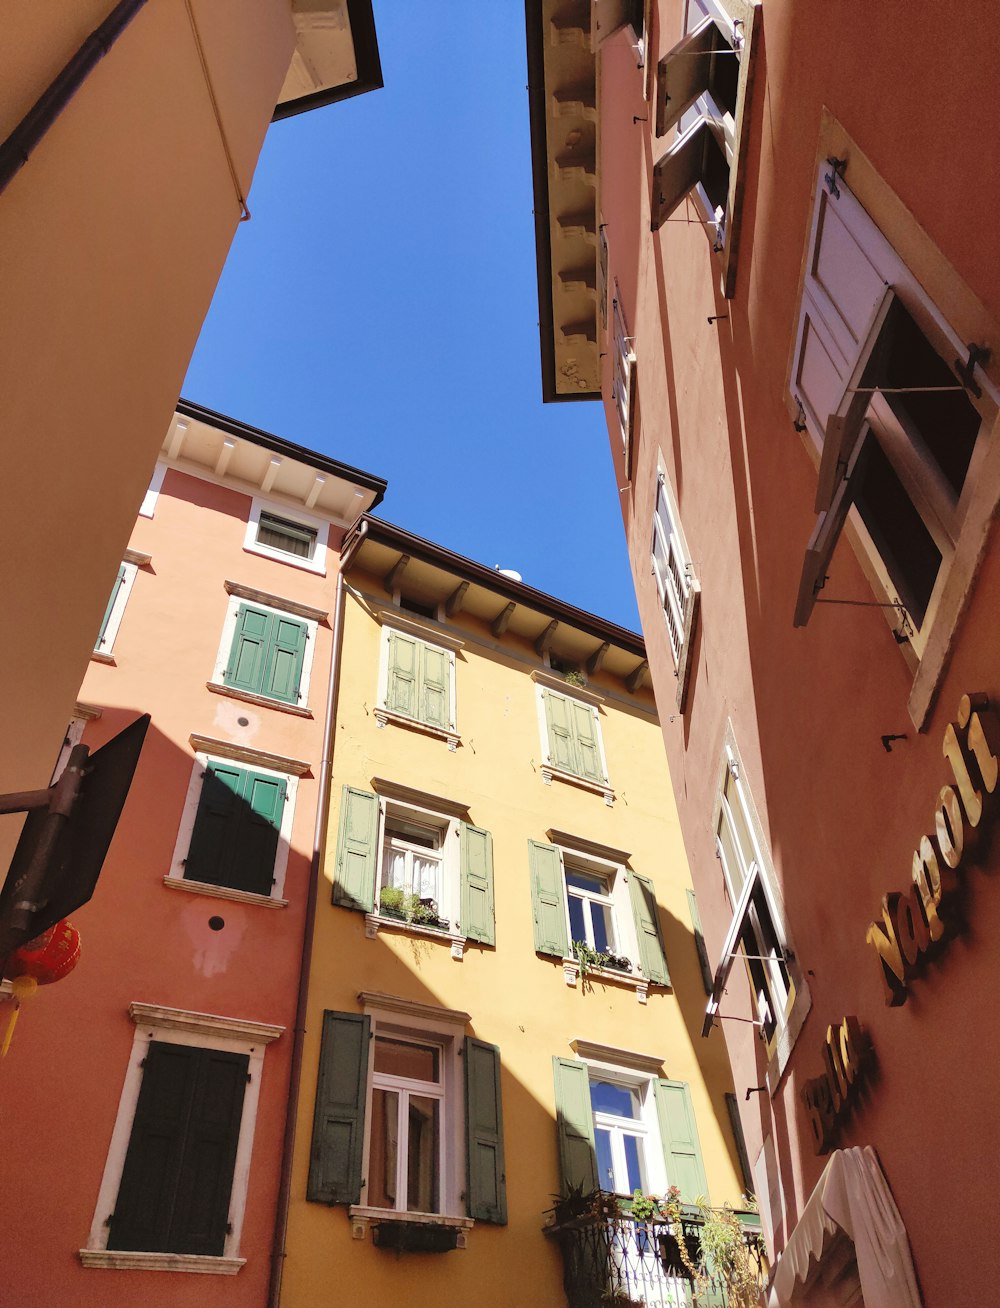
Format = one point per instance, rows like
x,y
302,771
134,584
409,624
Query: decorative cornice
x,y
434,635
379,1002
203,1024
138,558
420,798
295,607
555,681
594,1052
296,767
591,847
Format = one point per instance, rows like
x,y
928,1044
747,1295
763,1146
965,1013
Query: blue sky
x,y
381,307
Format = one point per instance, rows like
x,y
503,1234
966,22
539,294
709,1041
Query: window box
x,y
415,1237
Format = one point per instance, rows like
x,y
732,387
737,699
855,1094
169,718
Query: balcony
x,y
614,1260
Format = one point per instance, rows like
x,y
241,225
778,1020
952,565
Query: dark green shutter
x,y
548,899
733,1109
486,1178
575,1125
339,1118
561,736
286,654
250,649
236,829
707,976
477,919
119,582
178,1173
652,956
354,877
587,744
679,1137
435,687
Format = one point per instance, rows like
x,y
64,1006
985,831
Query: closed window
x,y
286,535
676,584
572,736
408,1116
235,830
414,866
267,654
417,682
620,1136
899,423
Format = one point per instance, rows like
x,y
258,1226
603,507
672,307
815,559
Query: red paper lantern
x,y
40,962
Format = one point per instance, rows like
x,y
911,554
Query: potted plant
x,y
390,902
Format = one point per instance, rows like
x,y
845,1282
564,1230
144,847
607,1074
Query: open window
x,y
623,383
703,94
676,584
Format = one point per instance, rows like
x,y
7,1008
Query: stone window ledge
x,y
264,701
362,1218
223,892
384,715
126,1260
550,774
374,923
571,973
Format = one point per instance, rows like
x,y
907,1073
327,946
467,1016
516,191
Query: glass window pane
x,y
732,862
741,826
422,1155
383,1150
633,1163
581,881
403,1058
577,927
605,1164
425,877
619,1100
604,936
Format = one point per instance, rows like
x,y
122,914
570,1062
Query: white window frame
x,y
317,563
404,1087
947,343
218,678
552,682
618,898
175,878
104,648
599,1069
790,1013
400,1019
449,904
147,508
393,620
178,1027
706,108
674,586
623,380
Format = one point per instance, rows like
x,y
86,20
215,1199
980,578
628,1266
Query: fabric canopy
x,y
852,1196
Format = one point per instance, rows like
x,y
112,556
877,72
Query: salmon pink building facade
x,y
174,1034
755,249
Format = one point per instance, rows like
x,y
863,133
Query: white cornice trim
x,y
126,1260
555,681
263,701
420,798
295,607
598,1053
582,846
203,1024
295,767
391,617
379,1002
137,557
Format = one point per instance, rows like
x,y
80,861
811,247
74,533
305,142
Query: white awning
x,y
852,1196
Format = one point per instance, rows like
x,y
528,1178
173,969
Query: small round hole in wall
x,y
216,923
243,722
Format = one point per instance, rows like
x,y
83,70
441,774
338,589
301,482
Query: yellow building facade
x,y
499,790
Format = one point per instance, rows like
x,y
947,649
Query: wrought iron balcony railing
x,y
614,1260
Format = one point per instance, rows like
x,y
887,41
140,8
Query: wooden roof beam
x,y
502,620
597,658
453,604
395,574
544,641
636,677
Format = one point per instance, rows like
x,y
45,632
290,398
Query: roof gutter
x,y
278,1251
16,150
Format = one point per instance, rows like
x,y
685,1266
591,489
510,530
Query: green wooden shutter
x,y
339,1117
575,1125
707,976
679,1137
354,878
733,1108
282,674
435,687
477,919
548,899
251,649
178,1172
404,670
119,582
652,956
588,748
255,842
562,748
215,825
486,1177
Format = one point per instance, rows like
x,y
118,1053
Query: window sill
x,y
383,715
374,923
98,656
550,774
126,1260
316,565
264,701
223,892
629,980
362,1218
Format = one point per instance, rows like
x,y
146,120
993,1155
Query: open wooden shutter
x,y
119,582
562,750
486,1176
404,671
477,920
258,825
575,1125
608,16
707,975
684,74
210,853
679,1137
178,1173
677,171
339,1117
652,955
354,877
251,648
825,535
435,687
548,899
692,608
285,657
588,748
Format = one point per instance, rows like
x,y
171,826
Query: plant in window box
x,y
390,902
619,1298
588,957
574,678
617,962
